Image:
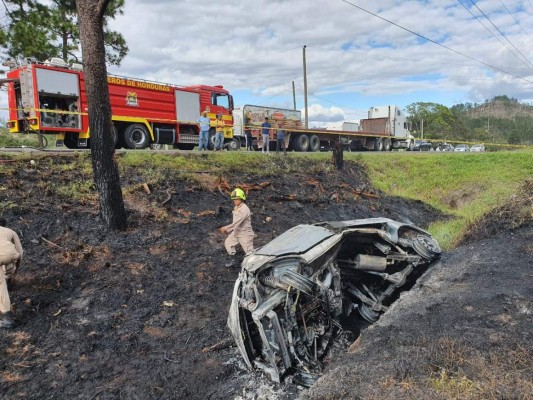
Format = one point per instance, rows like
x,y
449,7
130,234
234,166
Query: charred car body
x,y
291,293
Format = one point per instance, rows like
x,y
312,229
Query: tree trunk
x,y
106,177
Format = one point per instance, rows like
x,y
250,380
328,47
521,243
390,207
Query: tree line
x,y
499,120
32,29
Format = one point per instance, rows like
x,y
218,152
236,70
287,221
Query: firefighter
x,y
10,256
240,230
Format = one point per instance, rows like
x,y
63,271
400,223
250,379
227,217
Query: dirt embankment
x,y
130,315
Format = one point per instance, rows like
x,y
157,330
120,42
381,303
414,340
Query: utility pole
x,y
293,96
422,130
305,92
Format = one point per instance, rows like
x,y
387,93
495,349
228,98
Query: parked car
x,y
477,148
444,147
422,145
462,147
292,294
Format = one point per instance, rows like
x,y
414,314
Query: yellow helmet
x,y
238,193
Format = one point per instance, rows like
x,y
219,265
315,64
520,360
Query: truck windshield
x,y
221,99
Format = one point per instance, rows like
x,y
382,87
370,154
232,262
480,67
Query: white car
x,y
478,148
462,147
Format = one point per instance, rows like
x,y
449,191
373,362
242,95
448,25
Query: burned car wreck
x,y
291,293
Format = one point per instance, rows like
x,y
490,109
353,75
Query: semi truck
x,y
50,98
386,128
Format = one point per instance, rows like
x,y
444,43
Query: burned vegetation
x,y
143,313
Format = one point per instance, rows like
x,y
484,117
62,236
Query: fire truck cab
x,y
49,98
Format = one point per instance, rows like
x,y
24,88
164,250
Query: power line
x,y
501,33
426,61
515,20
492,33
276,95
437,43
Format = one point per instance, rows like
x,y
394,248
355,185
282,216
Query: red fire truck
x,y
49,98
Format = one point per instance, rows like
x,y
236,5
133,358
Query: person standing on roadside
x,y
10,256
248,130
280,139
265,131
240,230
219,135
204,124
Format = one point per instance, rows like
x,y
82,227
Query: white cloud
x,y
353,59
320,115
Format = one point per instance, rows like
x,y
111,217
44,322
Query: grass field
x,y
464,185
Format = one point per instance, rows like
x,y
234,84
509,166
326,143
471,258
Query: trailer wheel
x,y
378,145
301,142
136,136
314,143
233,144
388,145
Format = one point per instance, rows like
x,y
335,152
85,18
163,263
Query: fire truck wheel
x,y
314,143
211,141
184,146
233,144
115,138
136,136
71,141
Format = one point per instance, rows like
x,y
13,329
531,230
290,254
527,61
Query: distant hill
x,y
500,120
499,107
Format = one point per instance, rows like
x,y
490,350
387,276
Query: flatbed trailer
x,y
382,133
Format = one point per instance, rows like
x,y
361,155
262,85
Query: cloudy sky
x,y
355,60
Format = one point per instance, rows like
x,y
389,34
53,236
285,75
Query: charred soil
x,y
141,314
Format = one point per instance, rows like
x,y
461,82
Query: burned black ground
x,y
129,315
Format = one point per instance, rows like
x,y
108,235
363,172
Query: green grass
x,y
466,186
21,140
